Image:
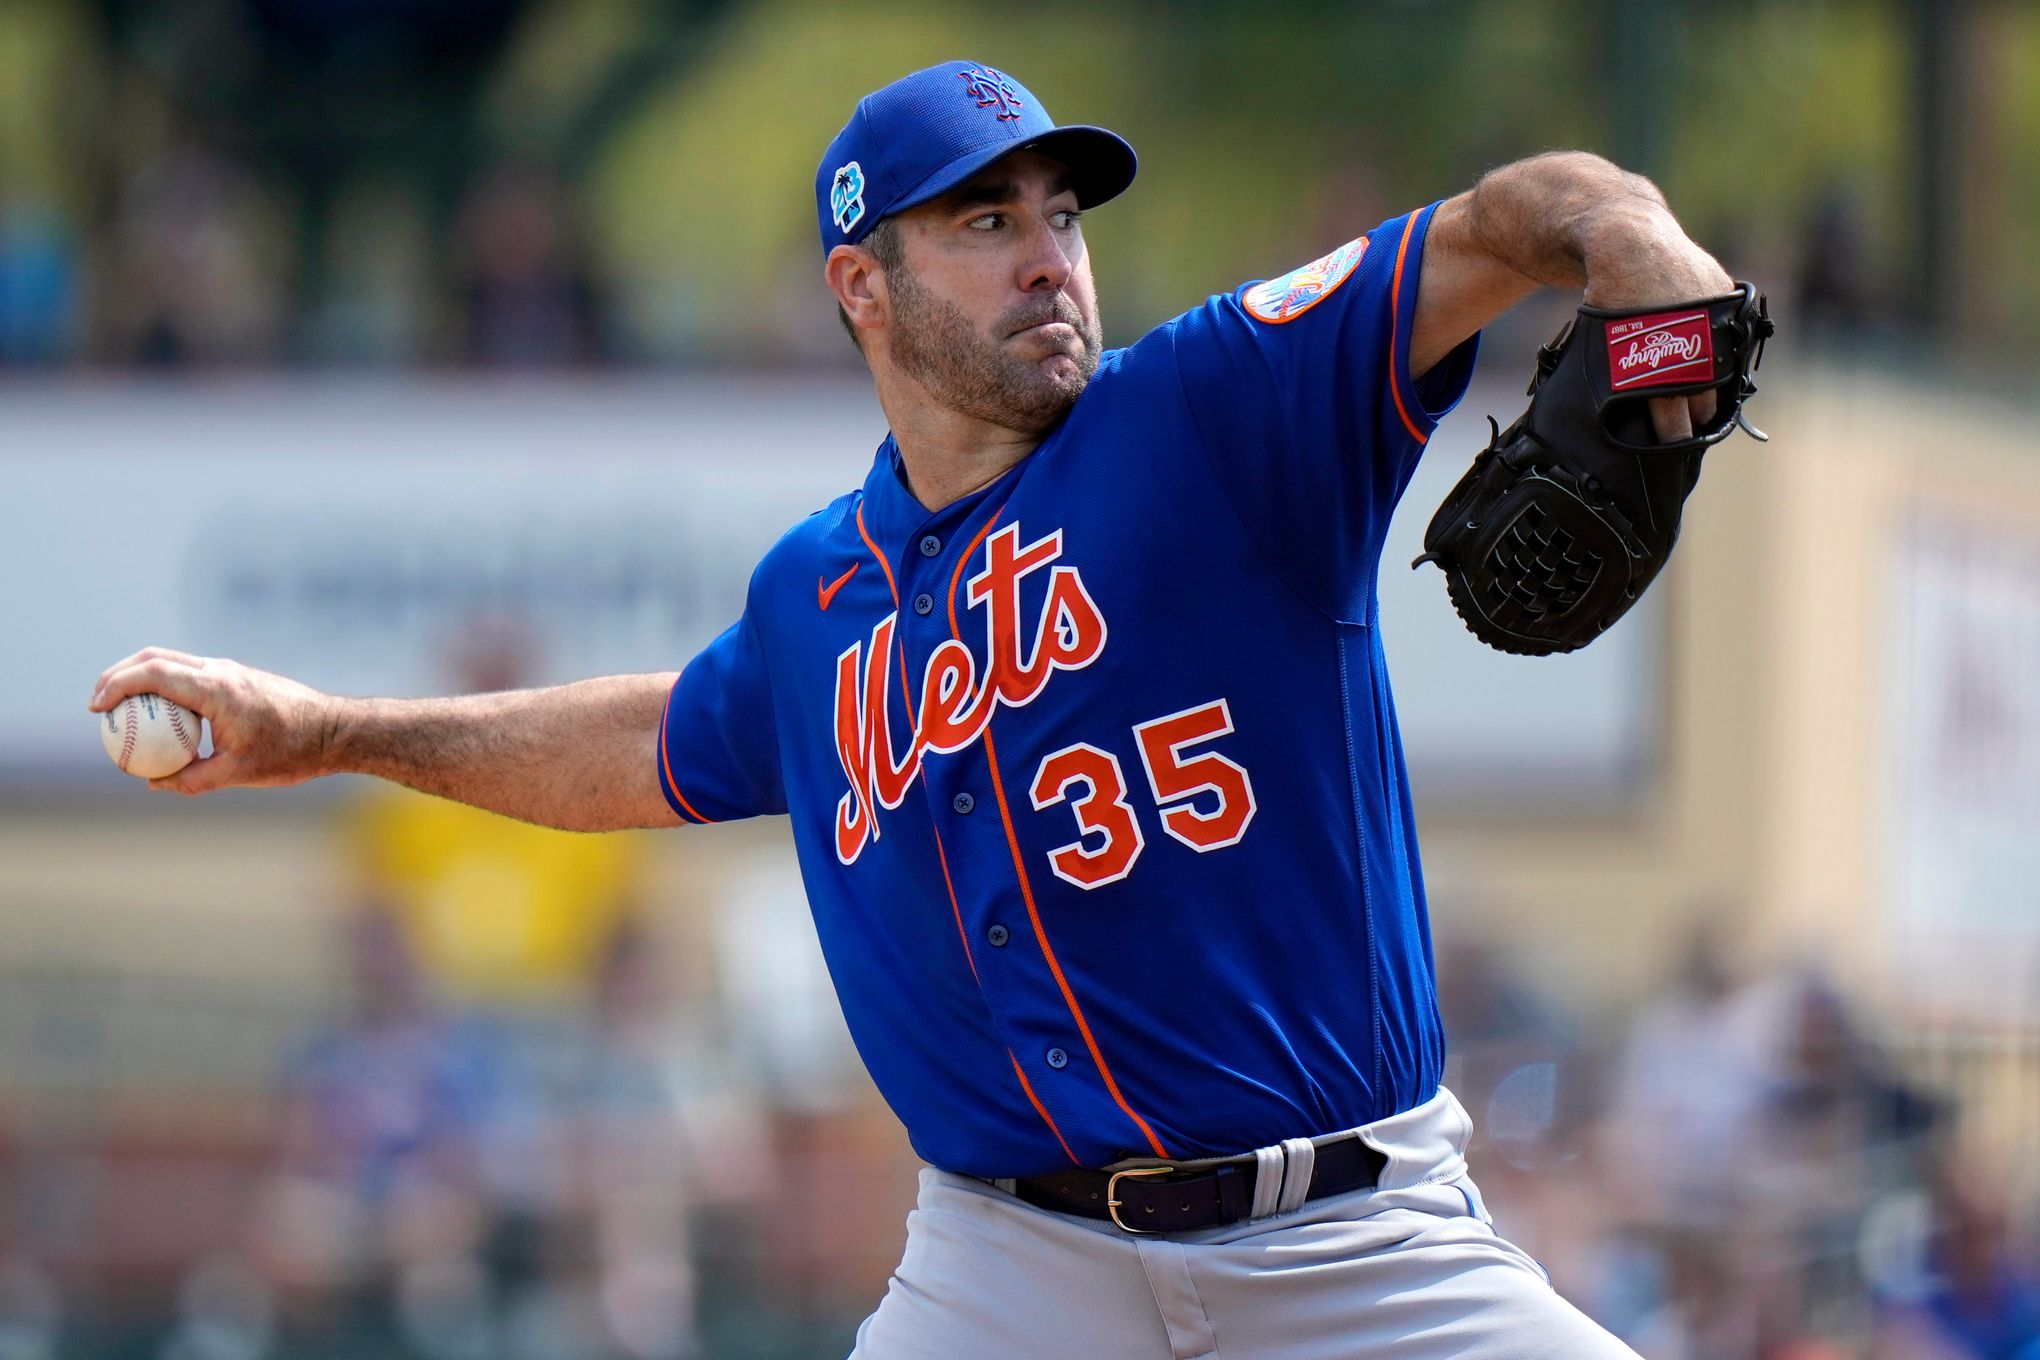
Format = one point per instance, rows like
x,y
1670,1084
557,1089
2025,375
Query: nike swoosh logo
x,y
826,593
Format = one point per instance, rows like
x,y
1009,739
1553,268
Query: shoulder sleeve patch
x,y
1290,296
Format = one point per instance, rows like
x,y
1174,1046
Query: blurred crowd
x,y
237,183
256,183
529,1142
1740,1170
191,268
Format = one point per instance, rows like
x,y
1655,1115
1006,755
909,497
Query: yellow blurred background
x,y
413,346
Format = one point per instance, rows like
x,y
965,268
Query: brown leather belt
x,y
1164,1199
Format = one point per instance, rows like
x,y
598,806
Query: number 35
x,y
1175,779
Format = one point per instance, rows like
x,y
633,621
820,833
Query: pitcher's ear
x,y
858,280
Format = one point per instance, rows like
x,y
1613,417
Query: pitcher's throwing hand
x,y
266,730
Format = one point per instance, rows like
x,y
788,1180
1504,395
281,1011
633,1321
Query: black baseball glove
x,y
1568,514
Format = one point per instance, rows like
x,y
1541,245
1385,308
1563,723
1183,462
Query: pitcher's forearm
x,y
580,756
576,756
1570,219
1566,219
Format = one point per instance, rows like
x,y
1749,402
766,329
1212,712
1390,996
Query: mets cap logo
x,y
1296,292
992,90
846,196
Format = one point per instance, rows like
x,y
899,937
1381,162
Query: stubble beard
x,y
971,372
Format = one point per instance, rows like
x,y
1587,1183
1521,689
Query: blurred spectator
x,y
1832,269
1515,1060
1839,1128
1751,1130
1687,1092
196,275
224,1313
38,284
595,1126
505,917
1510,1049
650,1134
31,1313
372,304
511,926
788,1030
1978,1296
528,300
1680,1268
378,1196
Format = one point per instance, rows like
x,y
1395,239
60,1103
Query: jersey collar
x,y
895,518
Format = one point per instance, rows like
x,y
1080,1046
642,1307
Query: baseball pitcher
x,y
1079,711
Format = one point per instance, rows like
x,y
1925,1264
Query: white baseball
x,y
148,736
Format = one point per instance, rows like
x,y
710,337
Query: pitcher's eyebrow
x,y
986,193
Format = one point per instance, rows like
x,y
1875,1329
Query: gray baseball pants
x,y
1409,1270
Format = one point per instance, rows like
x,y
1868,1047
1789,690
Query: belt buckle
x,y
1113,1204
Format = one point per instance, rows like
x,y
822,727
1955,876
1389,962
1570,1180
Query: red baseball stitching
x,y
127,745
184,738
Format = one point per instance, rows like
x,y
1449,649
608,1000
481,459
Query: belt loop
x,y
1267,1181
1300,1159
1232,1194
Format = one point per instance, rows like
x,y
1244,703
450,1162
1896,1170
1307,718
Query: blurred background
x,y
409,346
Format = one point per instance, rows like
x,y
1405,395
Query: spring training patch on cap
x,y
1287,298
846,196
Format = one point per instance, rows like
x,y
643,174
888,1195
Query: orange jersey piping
x,y
900,642
1026,887
1396,358
941,855
1039,1109
666,763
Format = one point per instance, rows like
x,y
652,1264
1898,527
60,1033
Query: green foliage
x,y
45,50
558,61
2013,199
1784,102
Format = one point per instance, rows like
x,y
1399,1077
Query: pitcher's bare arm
x,y
578,757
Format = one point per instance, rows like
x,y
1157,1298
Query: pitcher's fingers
x,y
95,703
149,653
200,776
154,653
174,680
1671,419
1704,405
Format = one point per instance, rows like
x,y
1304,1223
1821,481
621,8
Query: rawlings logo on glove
x,y
1664,347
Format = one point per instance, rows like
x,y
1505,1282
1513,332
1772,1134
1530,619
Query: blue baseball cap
x,y
926,133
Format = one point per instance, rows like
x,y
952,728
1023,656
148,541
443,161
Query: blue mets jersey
x,y
1094,774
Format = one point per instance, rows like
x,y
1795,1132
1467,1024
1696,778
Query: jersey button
x,y
963,803
1058,1059
998,935
924,603
930,545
